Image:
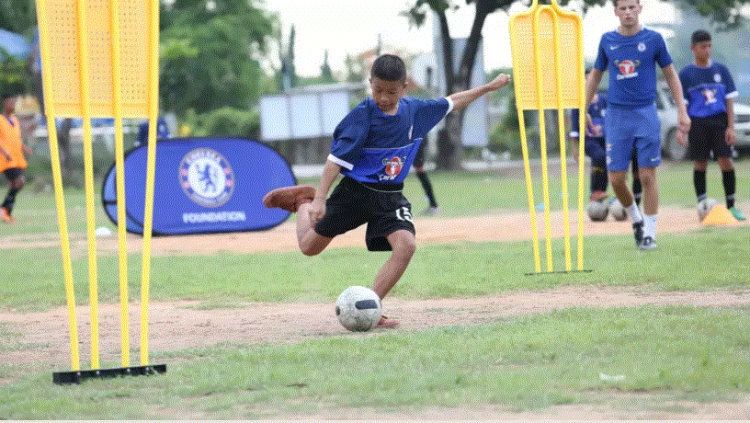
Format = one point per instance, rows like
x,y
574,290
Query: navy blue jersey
x,y
631,61
374,147
706,90
597,110
162,130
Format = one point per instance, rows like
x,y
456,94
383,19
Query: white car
x,y
668,115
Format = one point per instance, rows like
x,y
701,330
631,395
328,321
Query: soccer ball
x,y
617,210
705,206
598,210
358,308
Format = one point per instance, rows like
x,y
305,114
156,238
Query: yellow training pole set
x,y
548,73
100,58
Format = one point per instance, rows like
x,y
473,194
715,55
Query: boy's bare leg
x,y
650,190
403,244
310,242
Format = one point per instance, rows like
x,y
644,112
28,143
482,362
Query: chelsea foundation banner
x,y
203,185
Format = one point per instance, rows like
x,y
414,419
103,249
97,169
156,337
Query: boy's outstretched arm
x,y
464,98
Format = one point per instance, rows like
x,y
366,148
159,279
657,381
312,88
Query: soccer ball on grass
x,y
705,206
358,308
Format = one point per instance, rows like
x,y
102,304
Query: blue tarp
x,y
14,44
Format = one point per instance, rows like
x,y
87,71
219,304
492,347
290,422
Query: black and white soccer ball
x,y
705,206
617,210
358,308
597,210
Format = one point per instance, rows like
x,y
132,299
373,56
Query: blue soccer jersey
x,y
631,61
373,147
707,89
597,110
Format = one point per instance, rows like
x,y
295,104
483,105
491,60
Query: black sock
x,y
699,181
10,199
598,179
637,190
427,186
730,183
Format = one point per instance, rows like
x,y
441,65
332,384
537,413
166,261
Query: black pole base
x,y
66,378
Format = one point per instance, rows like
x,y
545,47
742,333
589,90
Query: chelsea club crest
x,y
206,177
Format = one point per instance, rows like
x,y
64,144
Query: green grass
x,y
459,194
526,363
462,269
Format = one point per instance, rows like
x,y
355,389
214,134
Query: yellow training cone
x,y
719,215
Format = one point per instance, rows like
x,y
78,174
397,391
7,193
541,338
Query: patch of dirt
x,y
179,325
510,226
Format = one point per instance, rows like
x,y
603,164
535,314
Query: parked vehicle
x,y
667,111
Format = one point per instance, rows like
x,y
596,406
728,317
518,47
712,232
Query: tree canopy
x,y
210,53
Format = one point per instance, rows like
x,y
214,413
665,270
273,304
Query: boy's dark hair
x,y
389,67
700,36
615,2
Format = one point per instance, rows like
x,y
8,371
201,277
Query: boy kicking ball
x,y
373,147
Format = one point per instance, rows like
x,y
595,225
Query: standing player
x,y
12,154
373,147
433,208
709,90
631,54
595,147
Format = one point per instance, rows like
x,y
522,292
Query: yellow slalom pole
x,y
88,162
562,142
529,191
148,217
543,140
62,219
120,185
582,107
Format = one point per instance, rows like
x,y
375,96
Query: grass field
x,y
605,362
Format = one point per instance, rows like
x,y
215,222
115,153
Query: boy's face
x,y
628,11
387,93
702,51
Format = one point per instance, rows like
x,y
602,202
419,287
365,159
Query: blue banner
x,y
203,185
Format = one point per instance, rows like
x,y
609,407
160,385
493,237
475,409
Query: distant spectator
x,y
162,131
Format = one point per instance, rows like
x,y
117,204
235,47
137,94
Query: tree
x,y
18,16
210,53
457,79
326,74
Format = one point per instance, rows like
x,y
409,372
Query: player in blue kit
x,y
709,90
631,54
595,147
373,147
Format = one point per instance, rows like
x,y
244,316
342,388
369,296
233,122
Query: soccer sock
x,y
699,181
598,179
635,213
10,199
730,183
649,226
427,186
637,190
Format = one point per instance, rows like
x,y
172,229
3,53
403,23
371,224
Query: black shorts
x,y
353,204
13,173
706,135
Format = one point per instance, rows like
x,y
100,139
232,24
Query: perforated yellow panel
x,y
569,52
60,19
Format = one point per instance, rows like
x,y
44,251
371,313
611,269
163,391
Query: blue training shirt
x,y
631,61
597,110
706,90
373,147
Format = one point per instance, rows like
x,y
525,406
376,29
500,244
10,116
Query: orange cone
x,y
719,215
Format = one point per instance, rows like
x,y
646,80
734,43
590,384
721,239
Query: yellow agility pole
x,y
99,62
541,36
